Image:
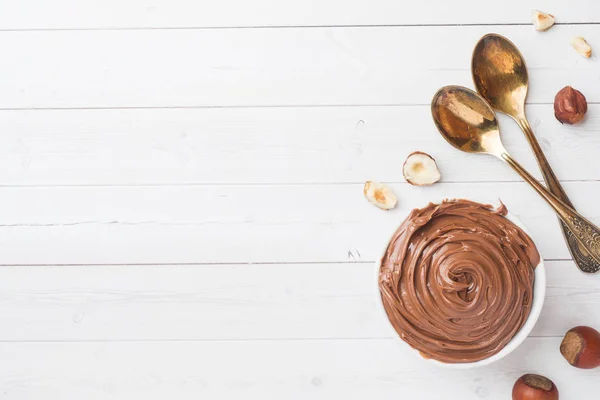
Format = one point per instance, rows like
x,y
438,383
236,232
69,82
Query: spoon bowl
x,y
466,121
500,74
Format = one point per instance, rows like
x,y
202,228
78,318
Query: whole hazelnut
x,y
581,347
534,387
570,106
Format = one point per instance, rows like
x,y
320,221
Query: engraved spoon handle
x,y
584,261
586,233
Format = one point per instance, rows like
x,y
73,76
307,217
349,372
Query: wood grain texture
x,y
232,302
90,14
267,145
316,369
271,67
240,223
181,187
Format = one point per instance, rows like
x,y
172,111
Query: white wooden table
x,y
181,187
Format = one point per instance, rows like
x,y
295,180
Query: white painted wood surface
x,y
111,14
181,185
271,67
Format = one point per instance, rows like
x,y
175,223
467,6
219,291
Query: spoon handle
x,y
586,233
552,182
582,258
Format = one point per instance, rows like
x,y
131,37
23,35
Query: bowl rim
x,y
539,295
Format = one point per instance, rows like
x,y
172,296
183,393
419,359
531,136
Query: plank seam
x,y
212,264
382,338
245,27
252,184
198,107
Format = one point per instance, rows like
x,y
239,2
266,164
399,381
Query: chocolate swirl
x,y
457,280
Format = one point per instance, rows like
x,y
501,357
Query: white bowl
x,y
539,293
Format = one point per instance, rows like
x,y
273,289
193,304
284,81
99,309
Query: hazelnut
x,y
542,21
570,106
534,387
420,169
581,46
581,347
380,195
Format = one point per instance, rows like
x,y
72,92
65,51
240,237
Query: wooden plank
x,y
348,369
89,14
239,224
271,67
266,145
232,302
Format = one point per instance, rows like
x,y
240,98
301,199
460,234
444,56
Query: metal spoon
x,y
500,76
468,123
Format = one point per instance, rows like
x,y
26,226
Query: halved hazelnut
x,y
420,169
542,21
581,46
380,195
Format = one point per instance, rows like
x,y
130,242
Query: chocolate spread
x,y
457,280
